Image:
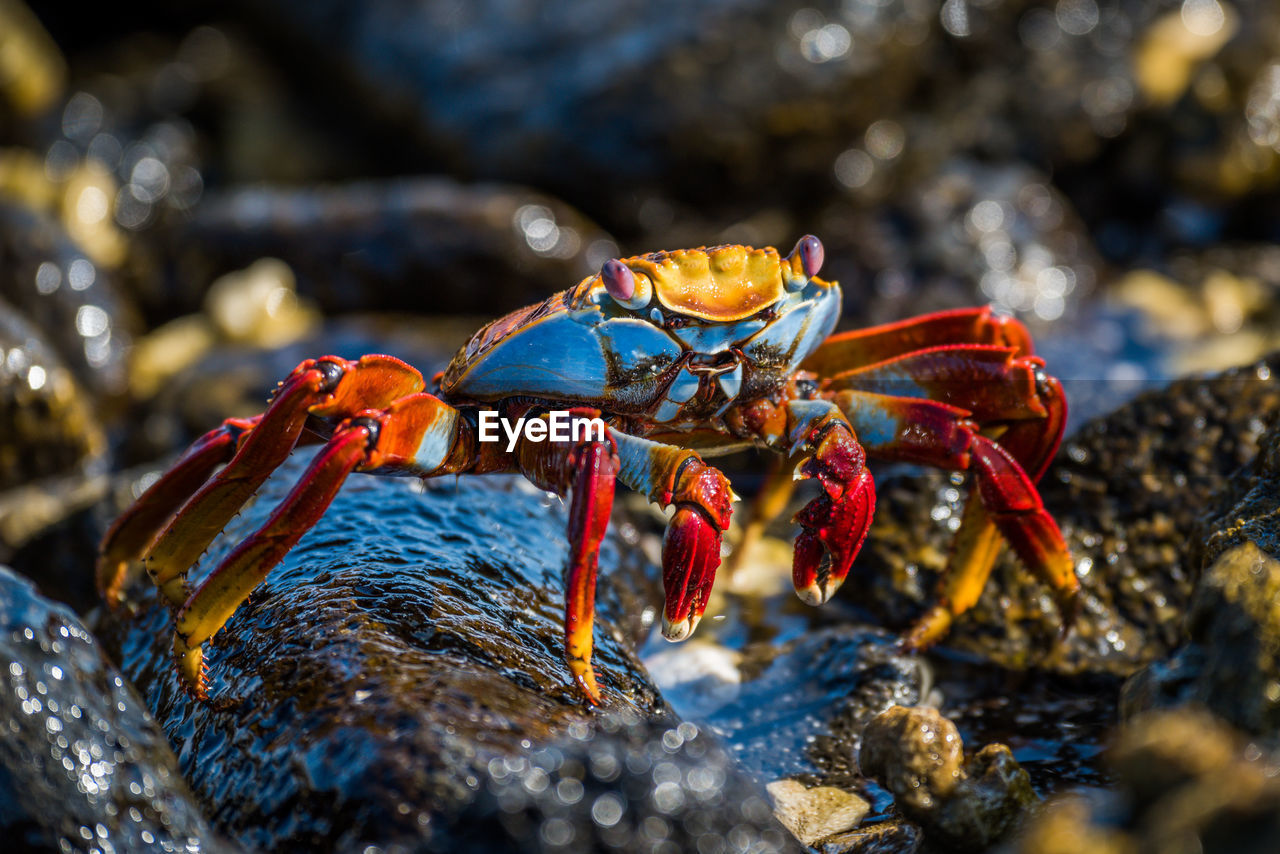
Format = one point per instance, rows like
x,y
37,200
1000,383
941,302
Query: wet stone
x,y
917,754
83,767
72,299
1231,661
47,417
799,708
1185,781
814,814
431,245
620,785
409,645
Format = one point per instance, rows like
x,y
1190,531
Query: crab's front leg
x,y
835,523
586,469
703,502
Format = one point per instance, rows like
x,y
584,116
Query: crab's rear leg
x,y
931,433
846,350
328,387
417,433
128,537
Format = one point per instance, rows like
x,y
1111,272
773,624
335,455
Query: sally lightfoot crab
x,y
682,355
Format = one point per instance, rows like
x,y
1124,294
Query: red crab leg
x,y
931,433
877,343
992,383
134,529
374,439
588,470
703,499
323,387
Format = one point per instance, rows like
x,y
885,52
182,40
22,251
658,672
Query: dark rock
x,y
72,299
917,754
430,245
405,657
620,785
1185,782
83,767
1231,663
887,837
799,708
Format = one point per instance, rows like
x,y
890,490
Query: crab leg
x,y
130,534
877,343
323,387
390,439
931,433
678,477
588,471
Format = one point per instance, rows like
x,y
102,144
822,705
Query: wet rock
x,y
622,785
1246,510
814,814
917,754
422,244
405,649
887,837
53,462
47,418
1185,782
797,709
629,95
83,767
1126,490
1231,662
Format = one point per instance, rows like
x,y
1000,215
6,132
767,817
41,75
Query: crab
x,y
682,355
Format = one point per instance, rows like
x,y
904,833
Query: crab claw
x,y
691,549
835,523
690,556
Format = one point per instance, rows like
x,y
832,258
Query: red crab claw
x,y
835,523
691,549
324,387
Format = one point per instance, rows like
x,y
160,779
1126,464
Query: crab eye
x,y
809,249
627,288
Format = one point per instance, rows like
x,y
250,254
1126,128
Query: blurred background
x,y
195,197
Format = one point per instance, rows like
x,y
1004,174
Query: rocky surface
x,y
966,804
1185,782
83,766
404,661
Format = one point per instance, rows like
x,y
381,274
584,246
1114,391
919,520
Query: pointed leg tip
x,y
585,678
676,631
812,594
